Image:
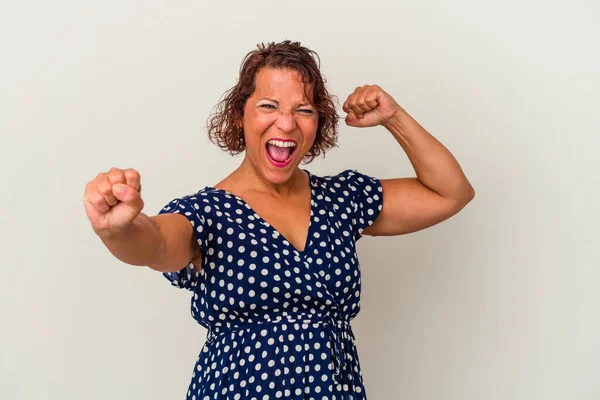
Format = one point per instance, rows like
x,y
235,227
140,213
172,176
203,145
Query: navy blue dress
x,y
278,319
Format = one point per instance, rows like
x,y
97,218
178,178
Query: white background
x,y
499,302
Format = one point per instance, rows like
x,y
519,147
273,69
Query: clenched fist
x,y
369,105
113,200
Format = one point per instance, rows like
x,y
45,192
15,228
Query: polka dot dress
x,y
278,319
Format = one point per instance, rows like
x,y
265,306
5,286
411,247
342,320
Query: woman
x,y
269,252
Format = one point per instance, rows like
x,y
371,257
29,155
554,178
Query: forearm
x,y
434,165
141,244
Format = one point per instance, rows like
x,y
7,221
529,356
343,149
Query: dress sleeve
x,y
189,207
367,199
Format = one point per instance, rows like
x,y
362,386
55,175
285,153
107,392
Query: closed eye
x,y
268,106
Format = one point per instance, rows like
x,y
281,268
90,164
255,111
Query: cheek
x,y
259,123
310,130
251,127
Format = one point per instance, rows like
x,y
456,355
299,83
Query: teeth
x,y
279,143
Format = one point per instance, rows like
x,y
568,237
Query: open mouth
x,y
281,152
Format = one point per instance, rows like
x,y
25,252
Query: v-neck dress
x,y
278,319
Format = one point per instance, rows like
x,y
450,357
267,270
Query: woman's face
x,y
279,123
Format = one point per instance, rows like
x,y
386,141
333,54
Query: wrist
x,y
396,121
108,235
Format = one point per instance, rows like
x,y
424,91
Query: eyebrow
x,y
275,101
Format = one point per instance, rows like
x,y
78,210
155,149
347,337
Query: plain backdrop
x,y
499,302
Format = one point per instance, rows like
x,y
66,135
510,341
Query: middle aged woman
x,y
269,252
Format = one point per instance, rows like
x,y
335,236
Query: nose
x,y
286,122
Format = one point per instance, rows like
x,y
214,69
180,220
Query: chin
x,y
276,175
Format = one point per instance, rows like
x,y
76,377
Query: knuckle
x,y
131,173
105,190
98,201
116,176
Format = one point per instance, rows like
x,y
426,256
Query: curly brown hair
x,y
223,129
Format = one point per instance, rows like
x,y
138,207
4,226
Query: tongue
x,y
279,154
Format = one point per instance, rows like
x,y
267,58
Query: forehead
x,y
282,85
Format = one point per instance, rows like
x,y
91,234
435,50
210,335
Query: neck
x,y
251,178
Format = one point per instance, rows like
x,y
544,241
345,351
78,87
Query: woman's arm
x,y
440,189
164,243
